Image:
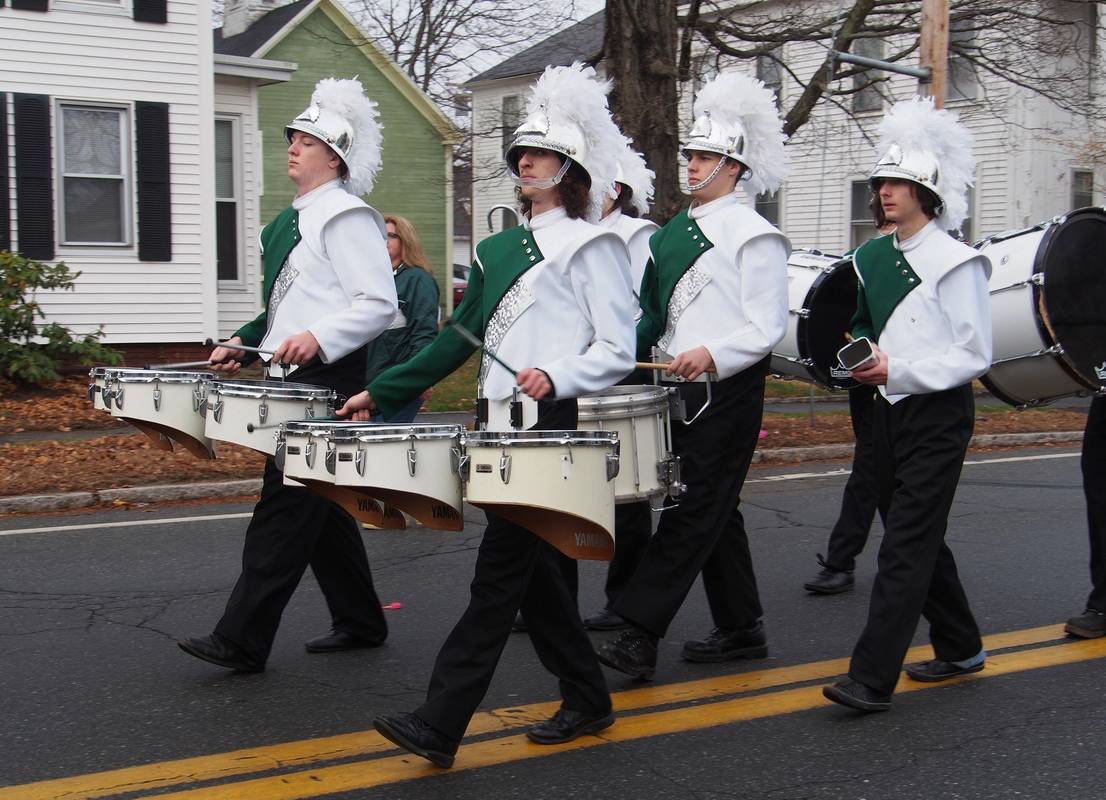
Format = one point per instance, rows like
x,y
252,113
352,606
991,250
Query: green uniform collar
x,y
887,278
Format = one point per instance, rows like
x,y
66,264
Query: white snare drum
x,y
305,454
821,292
163,404
415,468
557,484
249,412
1048,309
639,415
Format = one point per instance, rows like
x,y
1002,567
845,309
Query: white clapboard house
x,y
128,150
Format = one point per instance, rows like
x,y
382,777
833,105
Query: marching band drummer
x,y
923,298
553,296
715,295
329,290
633,522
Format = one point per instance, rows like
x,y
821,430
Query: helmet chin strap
x,y
542,183
694,187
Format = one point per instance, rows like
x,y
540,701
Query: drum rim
x,y
552,438
802,331
614,403
278,390
164,376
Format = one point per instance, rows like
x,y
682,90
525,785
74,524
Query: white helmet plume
x,y
345,98
635,173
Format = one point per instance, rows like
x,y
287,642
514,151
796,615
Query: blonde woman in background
x,y
416,324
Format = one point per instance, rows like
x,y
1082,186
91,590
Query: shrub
x,y
30,351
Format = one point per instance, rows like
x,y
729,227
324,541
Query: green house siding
x,y
412,182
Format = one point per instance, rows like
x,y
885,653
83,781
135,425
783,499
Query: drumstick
x,y
467,335
179,365
657,365
236,346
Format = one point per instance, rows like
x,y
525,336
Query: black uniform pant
x,y
515,570
920,443
293,527
861,497
1094,488
705,532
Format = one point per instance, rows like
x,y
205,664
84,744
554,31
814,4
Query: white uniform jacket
x,y
635,232
342,289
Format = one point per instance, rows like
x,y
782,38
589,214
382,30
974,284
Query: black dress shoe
x,y
605,620
938,670
337,641
829,581
1089,625
728,645
416,736
855,694
219,650
634,653
566,725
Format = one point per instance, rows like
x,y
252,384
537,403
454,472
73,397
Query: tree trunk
x,y
639,49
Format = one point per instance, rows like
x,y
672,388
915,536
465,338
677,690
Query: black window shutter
x,y
150,11
31,5
34,193
151,126
5,197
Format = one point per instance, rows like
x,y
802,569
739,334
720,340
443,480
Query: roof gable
x,y
580,42
257,35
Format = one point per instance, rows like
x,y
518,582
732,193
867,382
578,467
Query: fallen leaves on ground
x,y
59,406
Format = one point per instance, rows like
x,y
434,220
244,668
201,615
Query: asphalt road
x,y
99,702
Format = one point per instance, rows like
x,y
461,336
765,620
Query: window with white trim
x,y
861,225
228,201
768,206
963,83
770,72
1082,188
94,165
867,98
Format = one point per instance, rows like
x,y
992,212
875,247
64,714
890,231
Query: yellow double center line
x,y
297,778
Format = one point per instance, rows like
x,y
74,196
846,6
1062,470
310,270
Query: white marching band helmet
x,y
567,113
736,117
635,174
346,120
930,147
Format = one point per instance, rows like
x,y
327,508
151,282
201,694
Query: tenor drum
x,y
821,292
558,484
415,468
305,454
250,412
1048,309
163,404
639,415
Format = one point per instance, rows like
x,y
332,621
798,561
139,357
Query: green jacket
x,y
417,293
885,279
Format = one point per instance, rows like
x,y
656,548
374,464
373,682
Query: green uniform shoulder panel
x,y
886,277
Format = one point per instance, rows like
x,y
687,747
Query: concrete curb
x,y
212,489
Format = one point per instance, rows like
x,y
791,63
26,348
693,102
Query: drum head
x,y
1072,300
832,303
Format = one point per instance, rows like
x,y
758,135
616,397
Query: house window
x,y
768,206
962,81
227,199
95,166
867,98
510,118
967,228
1082,188
861,226
770,72
704,68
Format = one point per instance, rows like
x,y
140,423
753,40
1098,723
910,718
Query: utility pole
x,y
934,47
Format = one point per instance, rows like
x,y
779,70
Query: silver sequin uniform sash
x,y
689,285
281,286
510,307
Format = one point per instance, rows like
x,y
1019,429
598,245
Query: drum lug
x,y
459,462
157,399
119,398
801,313
412,459
359,462
1037,279
612,465
309,412
278,456
331,459
198,403
217,410
106,395
505,467
309,454
668,474
91,390
262,412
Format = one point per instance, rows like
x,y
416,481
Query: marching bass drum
x,y
1048,309
821,292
